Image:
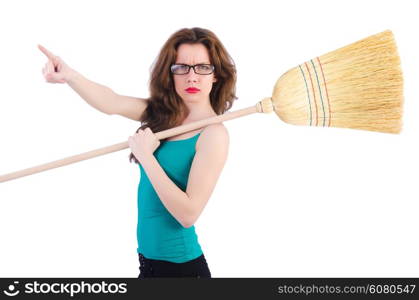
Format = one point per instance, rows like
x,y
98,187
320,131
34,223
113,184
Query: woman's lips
x,y
192,90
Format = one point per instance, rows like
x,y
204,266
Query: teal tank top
x,y
159,235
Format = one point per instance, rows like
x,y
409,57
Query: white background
x,y
292,201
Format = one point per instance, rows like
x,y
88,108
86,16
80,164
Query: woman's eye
x,y
203,68
182,68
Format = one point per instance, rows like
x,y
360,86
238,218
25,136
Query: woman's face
x,y
193,54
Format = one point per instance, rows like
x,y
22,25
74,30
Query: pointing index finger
x,y
46,52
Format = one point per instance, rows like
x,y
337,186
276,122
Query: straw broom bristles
x,y
359,86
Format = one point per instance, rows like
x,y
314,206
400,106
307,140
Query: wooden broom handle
x,y
263,106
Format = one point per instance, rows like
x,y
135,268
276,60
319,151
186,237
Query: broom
x,y
359,86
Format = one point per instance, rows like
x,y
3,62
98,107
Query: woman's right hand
x,y
55,70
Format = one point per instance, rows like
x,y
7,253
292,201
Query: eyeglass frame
x,y
193,67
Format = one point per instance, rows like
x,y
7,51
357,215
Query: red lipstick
x,y
192,90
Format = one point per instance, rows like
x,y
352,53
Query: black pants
x,y
197,267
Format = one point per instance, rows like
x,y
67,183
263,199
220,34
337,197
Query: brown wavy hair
x,y
165,108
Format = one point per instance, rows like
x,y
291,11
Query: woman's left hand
x,y
143,144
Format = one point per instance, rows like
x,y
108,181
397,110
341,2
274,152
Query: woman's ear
x,y
214,79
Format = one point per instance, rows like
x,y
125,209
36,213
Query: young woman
x,y
193,78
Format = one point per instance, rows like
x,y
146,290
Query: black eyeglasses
x,y
201,69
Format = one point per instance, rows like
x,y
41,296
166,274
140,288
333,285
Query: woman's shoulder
x,y
213,135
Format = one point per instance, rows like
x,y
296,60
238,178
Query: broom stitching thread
x,y
308,93
320,91
312,86
327,93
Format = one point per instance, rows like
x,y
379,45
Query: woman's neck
x,y
198,113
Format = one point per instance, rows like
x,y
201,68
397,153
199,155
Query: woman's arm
x,y
210,157
105,99
97,95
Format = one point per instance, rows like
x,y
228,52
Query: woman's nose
x,y
192,76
